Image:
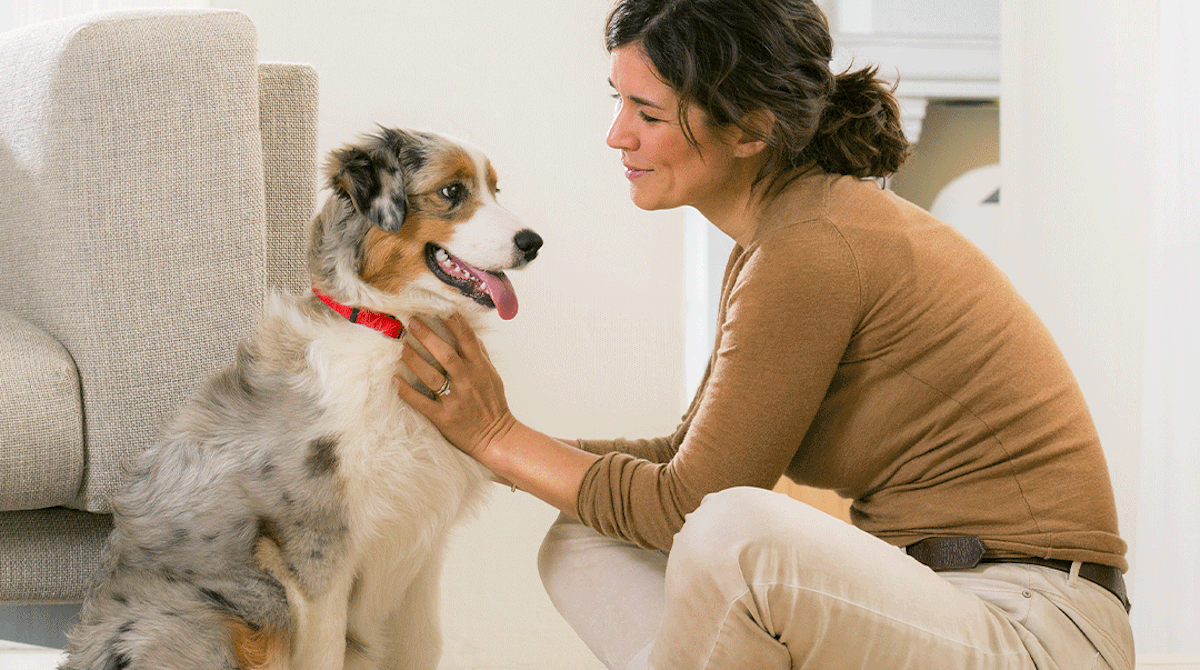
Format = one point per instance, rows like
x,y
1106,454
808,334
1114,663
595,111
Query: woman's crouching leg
x,y
758,580
609,591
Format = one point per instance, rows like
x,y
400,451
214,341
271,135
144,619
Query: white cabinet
x,y
938,49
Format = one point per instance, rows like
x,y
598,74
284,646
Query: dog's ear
x,y
371,181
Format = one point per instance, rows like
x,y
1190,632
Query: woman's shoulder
x,y
818,219
837,201
874,223
832,224
798,251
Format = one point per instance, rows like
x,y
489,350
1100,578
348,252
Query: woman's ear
x,y
753,133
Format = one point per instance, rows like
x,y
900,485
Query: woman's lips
x,y
632,173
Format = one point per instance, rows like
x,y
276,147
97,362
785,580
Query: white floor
x,y
1168,662
15,656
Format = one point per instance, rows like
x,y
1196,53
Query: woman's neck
x,y
735,214
735,207
738,215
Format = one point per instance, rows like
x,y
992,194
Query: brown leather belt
x,y
967,551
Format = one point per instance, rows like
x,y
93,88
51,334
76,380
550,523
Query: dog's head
x,y
413,224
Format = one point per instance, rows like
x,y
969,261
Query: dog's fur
x,y
294,513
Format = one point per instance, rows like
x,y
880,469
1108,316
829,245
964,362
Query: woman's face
x,y
663,168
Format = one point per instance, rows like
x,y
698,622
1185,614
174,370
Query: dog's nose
x,y
528,243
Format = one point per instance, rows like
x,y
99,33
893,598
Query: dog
x,y
294,513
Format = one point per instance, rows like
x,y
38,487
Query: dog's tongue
x,y
501,289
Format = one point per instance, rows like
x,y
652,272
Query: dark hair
x,y
735,57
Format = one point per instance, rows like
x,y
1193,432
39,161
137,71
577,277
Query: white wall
x,y
1169,488
17,13
1077,155
595,349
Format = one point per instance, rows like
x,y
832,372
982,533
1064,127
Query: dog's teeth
x,y
442,255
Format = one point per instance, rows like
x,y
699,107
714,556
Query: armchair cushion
x,y
41,422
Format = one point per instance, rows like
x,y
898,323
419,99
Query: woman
x,y
862,347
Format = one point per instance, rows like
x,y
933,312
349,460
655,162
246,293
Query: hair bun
x,y
860,133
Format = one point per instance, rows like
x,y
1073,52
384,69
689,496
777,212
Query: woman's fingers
x,y
441,350
469,344
474,406
416,399
462,332
429,374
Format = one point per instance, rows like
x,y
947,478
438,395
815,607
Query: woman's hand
x,y
472,413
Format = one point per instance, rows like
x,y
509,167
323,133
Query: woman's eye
x,y
453,193
641,115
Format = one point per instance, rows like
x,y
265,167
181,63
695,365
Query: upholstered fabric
x,y
134,233
149,199
59,550
288,102
39,414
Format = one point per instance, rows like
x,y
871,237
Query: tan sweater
x,y
865,347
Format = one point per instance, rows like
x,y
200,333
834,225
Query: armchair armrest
x,y
41,422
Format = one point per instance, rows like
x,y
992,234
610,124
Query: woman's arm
x,y
474,417
790,303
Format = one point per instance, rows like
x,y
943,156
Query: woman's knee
x,y
734,518
743,529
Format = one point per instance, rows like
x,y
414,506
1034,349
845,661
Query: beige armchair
x,y
155,181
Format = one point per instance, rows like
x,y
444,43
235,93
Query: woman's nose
x,y
619,136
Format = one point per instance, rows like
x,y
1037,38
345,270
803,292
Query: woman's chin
x,y
647,201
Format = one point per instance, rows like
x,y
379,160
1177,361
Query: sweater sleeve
x,y
789,306
657,450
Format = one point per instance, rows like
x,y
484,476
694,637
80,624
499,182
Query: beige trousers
x,y
757,580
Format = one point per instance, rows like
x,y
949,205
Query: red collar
x,y
364,317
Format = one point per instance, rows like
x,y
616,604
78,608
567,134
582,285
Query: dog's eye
x,y
453,193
